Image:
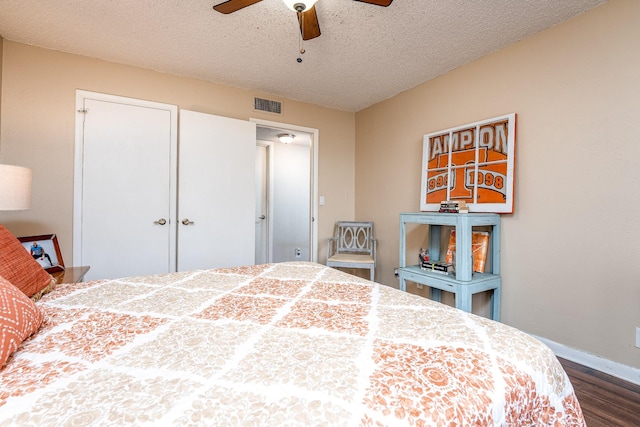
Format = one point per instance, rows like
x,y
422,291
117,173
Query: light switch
x,y
321,200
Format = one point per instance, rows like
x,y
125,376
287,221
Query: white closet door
x,y
126,190
216,196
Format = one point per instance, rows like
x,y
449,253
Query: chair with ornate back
x,y
353,246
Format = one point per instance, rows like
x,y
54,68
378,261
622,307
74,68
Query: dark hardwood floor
x,y
605,400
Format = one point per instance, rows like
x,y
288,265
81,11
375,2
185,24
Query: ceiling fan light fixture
x,y
299,5
286,138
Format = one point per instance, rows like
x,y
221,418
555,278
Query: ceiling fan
x,y
309,27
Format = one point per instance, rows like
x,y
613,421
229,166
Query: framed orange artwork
x,y
472,163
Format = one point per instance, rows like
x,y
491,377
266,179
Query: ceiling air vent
x,y
267,105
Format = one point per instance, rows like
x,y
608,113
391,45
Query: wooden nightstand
x,y
71,274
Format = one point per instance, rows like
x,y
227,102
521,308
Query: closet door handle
x,y
161,221
186,221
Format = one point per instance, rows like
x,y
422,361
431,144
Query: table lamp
x,y
15,188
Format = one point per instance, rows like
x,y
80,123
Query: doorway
x,y
286,176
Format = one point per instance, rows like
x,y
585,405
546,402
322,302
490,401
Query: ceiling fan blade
x,y
231,6
384,3
309,26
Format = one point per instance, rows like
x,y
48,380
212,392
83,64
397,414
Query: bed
x,y
287,344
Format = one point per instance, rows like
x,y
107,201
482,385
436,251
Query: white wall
x,y
291,204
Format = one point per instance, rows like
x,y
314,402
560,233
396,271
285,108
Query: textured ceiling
x,y
365,54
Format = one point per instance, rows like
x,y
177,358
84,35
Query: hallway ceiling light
x,y
286,138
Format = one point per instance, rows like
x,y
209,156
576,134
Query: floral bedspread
x,y
290,344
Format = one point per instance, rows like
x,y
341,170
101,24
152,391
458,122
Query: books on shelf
x,y
437,266
479,248
454,206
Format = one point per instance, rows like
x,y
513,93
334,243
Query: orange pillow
x,y
19,318
20,269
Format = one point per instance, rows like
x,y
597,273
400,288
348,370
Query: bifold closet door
x,y
124,221
216,191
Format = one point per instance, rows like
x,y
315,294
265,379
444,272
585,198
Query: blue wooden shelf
x,y
465,283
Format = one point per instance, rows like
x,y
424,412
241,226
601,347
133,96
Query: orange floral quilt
x,y
289,344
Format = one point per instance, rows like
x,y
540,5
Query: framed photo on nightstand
x,y
45,250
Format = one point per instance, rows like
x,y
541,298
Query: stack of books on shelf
x,y
437,266
454,206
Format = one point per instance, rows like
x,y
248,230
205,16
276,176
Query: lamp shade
x,y
15,188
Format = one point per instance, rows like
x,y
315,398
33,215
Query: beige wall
x,y
1,47
38,118
571,250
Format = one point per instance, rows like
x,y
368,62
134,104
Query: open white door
x,y
262,216
216,195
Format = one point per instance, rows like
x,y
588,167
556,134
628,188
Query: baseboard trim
x,y
601,364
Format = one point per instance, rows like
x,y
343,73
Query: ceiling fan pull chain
x,y
301,39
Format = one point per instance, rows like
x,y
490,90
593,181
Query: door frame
x,y
313,190
81,96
